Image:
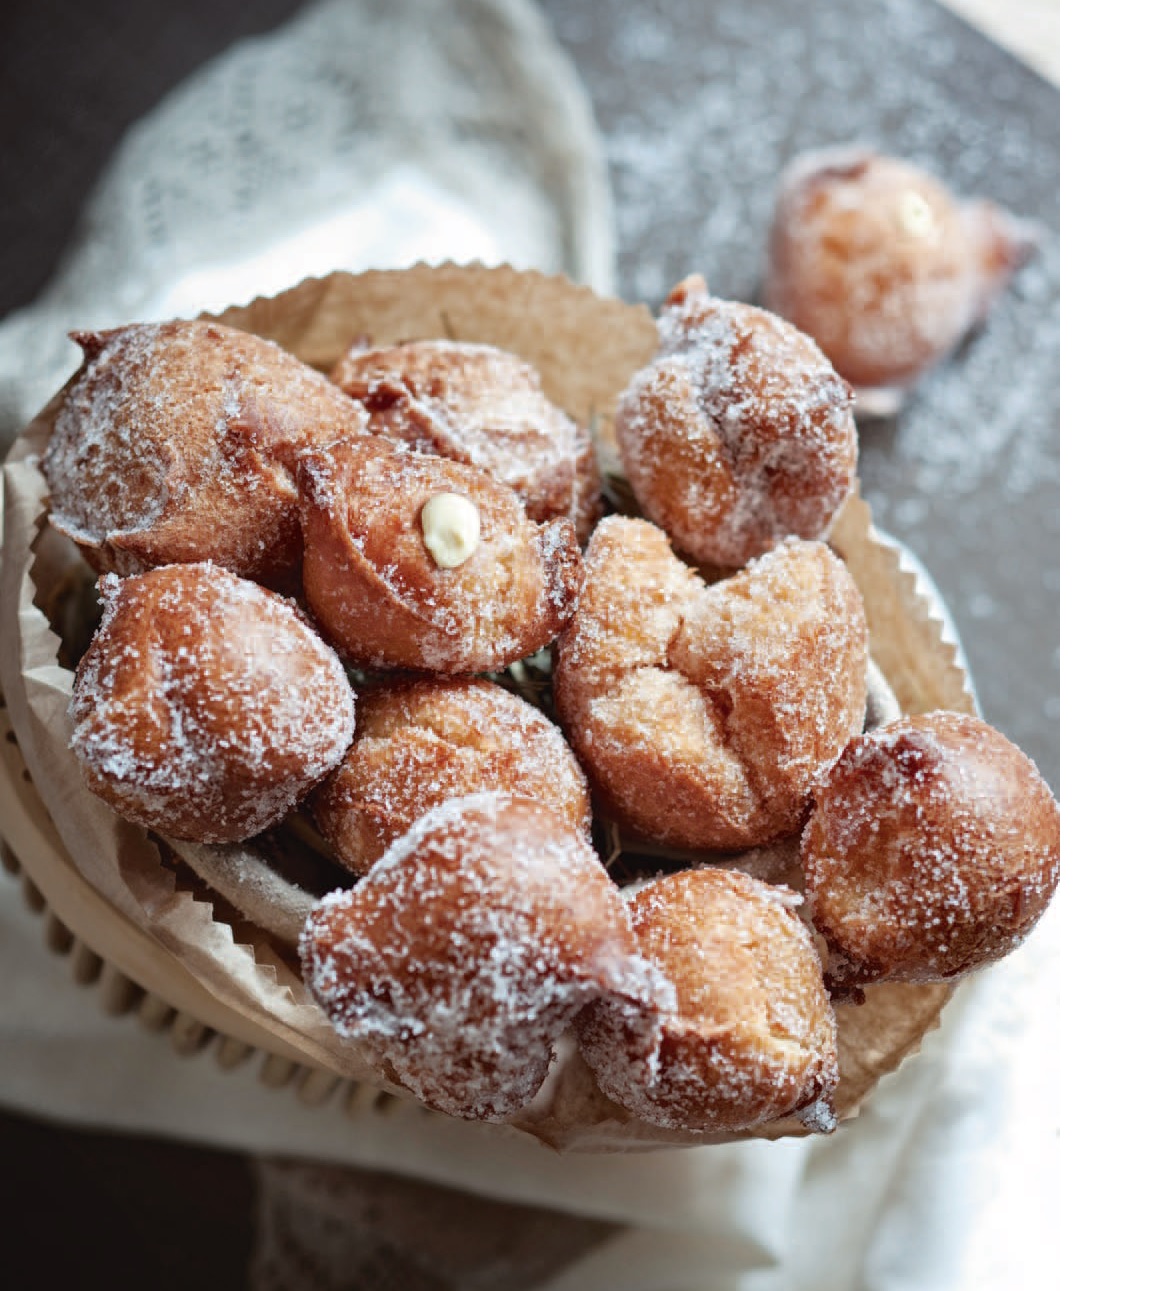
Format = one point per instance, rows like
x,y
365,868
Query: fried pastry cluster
x,y
466,705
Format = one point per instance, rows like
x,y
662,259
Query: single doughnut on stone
x,y
206,707
421,741
463,955
483,406
933,848
738,433
752,1037
881,265
376,579
174,444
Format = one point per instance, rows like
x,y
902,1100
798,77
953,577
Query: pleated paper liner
x,y
178,951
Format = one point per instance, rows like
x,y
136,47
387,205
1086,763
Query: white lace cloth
x,y
362,134
380,132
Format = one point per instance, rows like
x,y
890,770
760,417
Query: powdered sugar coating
x,y
463,955
705,714
379,594
933,848
206,707
880,264
422,741
753,1036
483,406
738,434
172,442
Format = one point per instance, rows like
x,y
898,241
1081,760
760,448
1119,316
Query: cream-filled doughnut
x,y
483,406
375,573
881,265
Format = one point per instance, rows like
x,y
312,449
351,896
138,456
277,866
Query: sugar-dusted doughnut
x,y
484,406
738,433
462,956
752,1037
173,444
881,265
421,741
933,848
471,589
206,707
704,715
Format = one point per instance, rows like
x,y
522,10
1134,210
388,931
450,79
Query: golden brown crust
x,y
380,596
753,1035
174,444
738,434
483,406
463,955
933,848
881,265
422,741
206,707
704,715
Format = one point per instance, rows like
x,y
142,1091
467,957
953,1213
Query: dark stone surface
x,y
89,1209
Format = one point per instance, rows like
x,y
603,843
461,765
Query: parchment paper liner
x,y
586,347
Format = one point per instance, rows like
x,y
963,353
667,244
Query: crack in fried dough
x,y
705,714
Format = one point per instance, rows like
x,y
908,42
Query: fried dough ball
x,y
738,433
753,1035
881,265
483,406
704,715
174,443
422,741
472,590
933,848
467,950
206,707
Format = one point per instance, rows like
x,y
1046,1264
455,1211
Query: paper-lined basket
x,y
188,949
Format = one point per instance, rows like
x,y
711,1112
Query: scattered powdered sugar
x,y
967,474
